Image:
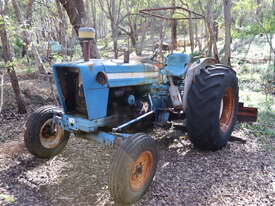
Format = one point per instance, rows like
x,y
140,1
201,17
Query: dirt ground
x,y
239,174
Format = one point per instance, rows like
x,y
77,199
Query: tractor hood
x,y
117,73
83,87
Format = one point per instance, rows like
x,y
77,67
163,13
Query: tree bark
x,y
198,38
132,23
191,33
93,10
76,11
210,23
62,37
38,61
7,55
26,23
26,35
227,22
173,28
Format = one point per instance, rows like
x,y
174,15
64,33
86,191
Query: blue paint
x,y
130,82
123,135
97,95
176,64
114,67
131,99
105,138
59,91
163,116
73,123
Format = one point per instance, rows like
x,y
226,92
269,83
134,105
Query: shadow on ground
x,y
237,174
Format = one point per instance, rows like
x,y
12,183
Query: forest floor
x,y
239,174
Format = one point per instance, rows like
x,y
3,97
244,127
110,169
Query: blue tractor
x,y
106,100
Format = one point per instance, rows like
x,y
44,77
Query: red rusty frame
x,y
173,20
147,12
247,114
244,114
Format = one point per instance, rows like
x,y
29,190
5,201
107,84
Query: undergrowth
x,y
256,84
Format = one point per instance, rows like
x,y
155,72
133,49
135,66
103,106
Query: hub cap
x,y
48,138
227,108
141,170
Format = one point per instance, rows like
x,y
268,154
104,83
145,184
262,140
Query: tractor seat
x,y
176,64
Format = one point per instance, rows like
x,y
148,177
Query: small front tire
x,y
133,168
39,138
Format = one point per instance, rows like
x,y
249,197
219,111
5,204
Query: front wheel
x,y
133,168
212,104
41,139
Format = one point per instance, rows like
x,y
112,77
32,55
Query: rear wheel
x,y
212,107
133,168
41,139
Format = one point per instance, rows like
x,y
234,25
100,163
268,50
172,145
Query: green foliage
x,y
256,91
29,70
57,58
7,198
264,128
18,45
267,79
252,23
244,5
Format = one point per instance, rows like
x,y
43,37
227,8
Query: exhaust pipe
x,y
86,35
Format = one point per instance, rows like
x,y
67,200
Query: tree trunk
x,y
191,33
132,23
115,9
77,15
26,35
227,23
62,28
93,10
174,34
8,60
38,61
173,28
143,33
198,42
24,23
113,14
210,23
28,25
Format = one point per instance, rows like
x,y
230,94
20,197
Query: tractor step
x,y
247,114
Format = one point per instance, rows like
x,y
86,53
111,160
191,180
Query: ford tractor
x,y
111,101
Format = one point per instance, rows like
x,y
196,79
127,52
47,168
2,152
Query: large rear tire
x,y
212,104
39,138
133,168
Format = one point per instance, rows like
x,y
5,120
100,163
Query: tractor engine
x,y
126,103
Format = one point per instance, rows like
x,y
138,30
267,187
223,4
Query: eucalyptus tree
x,y
78,17
8,59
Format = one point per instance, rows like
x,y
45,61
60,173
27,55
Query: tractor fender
x,y
193,70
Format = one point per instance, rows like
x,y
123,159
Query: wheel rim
x,y
48,138
141,170
227,108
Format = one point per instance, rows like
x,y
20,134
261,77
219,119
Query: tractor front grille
x,y
72,90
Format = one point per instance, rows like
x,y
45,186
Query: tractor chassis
x,y
87,129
